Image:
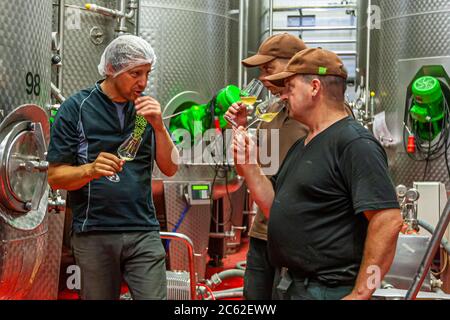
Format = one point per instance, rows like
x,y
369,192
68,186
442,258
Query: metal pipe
x,y
241,42
104,11
221,235
190,247
329,41
296,8
247,10
133,6
369,28
323,28
270,18
445,244
122,20
56,92
138,17
121,13
346,53
433,246
61,19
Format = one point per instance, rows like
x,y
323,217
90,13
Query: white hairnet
x,y
125,53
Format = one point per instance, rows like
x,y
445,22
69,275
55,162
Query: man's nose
x,y
284,95
142,82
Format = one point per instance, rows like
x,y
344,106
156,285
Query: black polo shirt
x,y
317,227
86,125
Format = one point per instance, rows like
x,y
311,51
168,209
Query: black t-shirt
x,y
317,227
86,125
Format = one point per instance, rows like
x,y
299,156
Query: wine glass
x,y
268,110
249,96
251,92
128,149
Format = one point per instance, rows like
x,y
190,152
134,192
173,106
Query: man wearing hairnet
x,y
115,233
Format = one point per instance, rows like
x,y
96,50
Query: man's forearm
x,y
260,187
379,252
69,178
166,153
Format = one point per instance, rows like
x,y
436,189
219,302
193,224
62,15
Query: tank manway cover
x,y
23,169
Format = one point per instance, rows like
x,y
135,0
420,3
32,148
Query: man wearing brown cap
x,y
334,215
272,57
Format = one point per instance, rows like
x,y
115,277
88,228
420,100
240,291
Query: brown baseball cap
x,y
311,61
283,45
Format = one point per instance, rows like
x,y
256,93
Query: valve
x,y
34,166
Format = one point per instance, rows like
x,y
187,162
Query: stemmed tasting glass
x,y
249,96
128,149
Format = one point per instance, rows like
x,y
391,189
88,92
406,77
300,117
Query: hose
x,y
178,224
430,229
237,293
217,278
241,265
230,274
211,296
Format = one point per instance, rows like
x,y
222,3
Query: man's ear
x,y
316,87
109,69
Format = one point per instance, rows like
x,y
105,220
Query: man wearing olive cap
x,y
334,216
115,233
272,57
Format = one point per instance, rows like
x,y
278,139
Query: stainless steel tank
x,y
86,35
411,33
24,133
196,43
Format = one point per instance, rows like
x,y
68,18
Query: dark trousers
x,y
259,274
290,287
107,258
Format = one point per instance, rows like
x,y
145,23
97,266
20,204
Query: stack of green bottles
x,y
196,119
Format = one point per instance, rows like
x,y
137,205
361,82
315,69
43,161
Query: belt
x,y
311,278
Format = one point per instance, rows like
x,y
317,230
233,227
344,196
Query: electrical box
x,y
199,193
431,203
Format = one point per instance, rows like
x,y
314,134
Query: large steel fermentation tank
x,y
26,268
196,42
410,34
86,35
407,38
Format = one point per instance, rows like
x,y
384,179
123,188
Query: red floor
x,y
229,262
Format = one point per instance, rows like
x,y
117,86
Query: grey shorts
x,y
107,258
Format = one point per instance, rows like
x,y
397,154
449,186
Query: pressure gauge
x,y
359,103
401,190
412,195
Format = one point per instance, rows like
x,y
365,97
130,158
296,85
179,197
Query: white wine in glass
x,y
249,101
249,96
268,110
251,92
